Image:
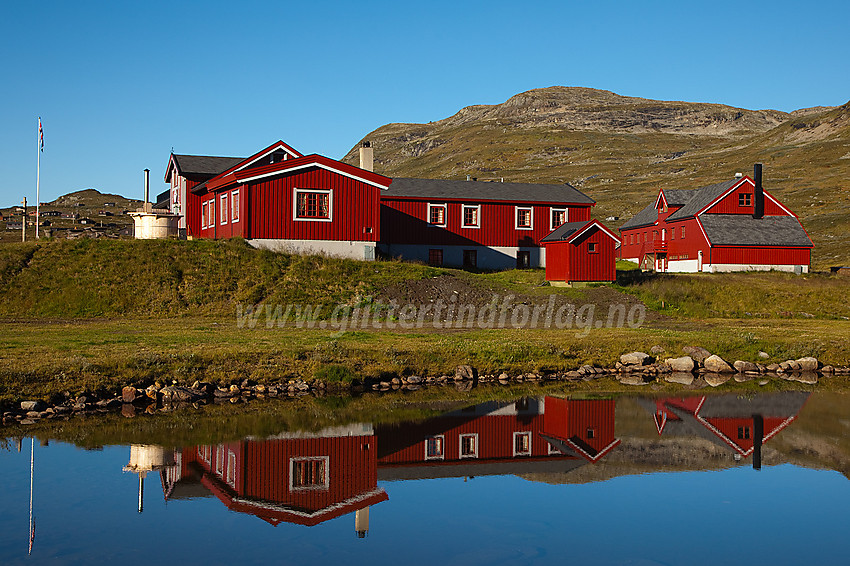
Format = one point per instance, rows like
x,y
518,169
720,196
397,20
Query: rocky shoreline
x,y
695,370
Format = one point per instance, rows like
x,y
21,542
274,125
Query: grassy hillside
x,y
620,151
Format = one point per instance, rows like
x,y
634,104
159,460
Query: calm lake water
x,y
728,479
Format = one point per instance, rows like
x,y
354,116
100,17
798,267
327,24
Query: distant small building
x,y
104,213
109,204
70,215
581,252
731,226
50,213
14,226
86,221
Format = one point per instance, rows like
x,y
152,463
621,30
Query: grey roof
x,y
691,201
645,217
204,165
744,230
564,231
700,198
482,190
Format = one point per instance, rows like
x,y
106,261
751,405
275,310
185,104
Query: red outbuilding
x,y
581,252
731,226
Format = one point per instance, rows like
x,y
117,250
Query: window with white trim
x,y
223,209
435,448
203,215
230,474
469,446
313,204
436,214
524,217
234,206
219,460
522,444
470,216
559,216
308,473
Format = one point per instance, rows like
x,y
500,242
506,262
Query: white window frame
x,y
442,454
445,208
235,210
219,460
316,487
461,437
553,449
553,210
297,191
222,213
523,433
230,469
477,208
203,215
530,209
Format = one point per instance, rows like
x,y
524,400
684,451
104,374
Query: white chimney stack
x,y
367,158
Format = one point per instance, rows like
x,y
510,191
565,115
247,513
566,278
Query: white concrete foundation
x,y
487,257
730,267
683,266
349,250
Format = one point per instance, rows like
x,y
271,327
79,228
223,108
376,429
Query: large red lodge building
x,y
283,200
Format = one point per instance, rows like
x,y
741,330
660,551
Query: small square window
x,y
437,214
522,444
308,473
435,257
470,216
559,216
524,218
743,433
434,448
468,445
592,247
745,199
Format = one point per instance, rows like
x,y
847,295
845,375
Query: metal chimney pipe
x,y
147,185
758,196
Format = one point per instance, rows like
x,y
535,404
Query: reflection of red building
x,y
739,423
531,435
300,478
309,478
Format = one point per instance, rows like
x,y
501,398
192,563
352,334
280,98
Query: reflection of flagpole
x,y
32,470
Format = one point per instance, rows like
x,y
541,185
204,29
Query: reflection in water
x,y
742,424
309,478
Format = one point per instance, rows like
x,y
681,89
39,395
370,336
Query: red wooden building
x,y
293,203
731,226
578,252
532,435
301,478
480,224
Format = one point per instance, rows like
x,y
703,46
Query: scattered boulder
x,y
683,364
697,353
680,377
716,379
635,359
657,350
808,364
774,368
743,366
32,405
129,394
465,372
716,364
631,379
178,394
764,355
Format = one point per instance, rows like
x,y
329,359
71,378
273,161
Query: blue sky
x,y
119,84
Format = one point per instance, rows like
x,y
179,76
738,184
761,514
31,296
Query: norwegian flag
x,y
40,134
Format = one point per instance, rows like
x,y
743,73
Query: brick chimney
x,y
367,160
758,193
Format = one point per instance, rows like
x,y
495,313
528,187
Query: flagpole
x,y
38,176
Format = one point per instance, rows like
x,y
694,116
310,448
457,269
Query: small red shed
x,y
581,252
